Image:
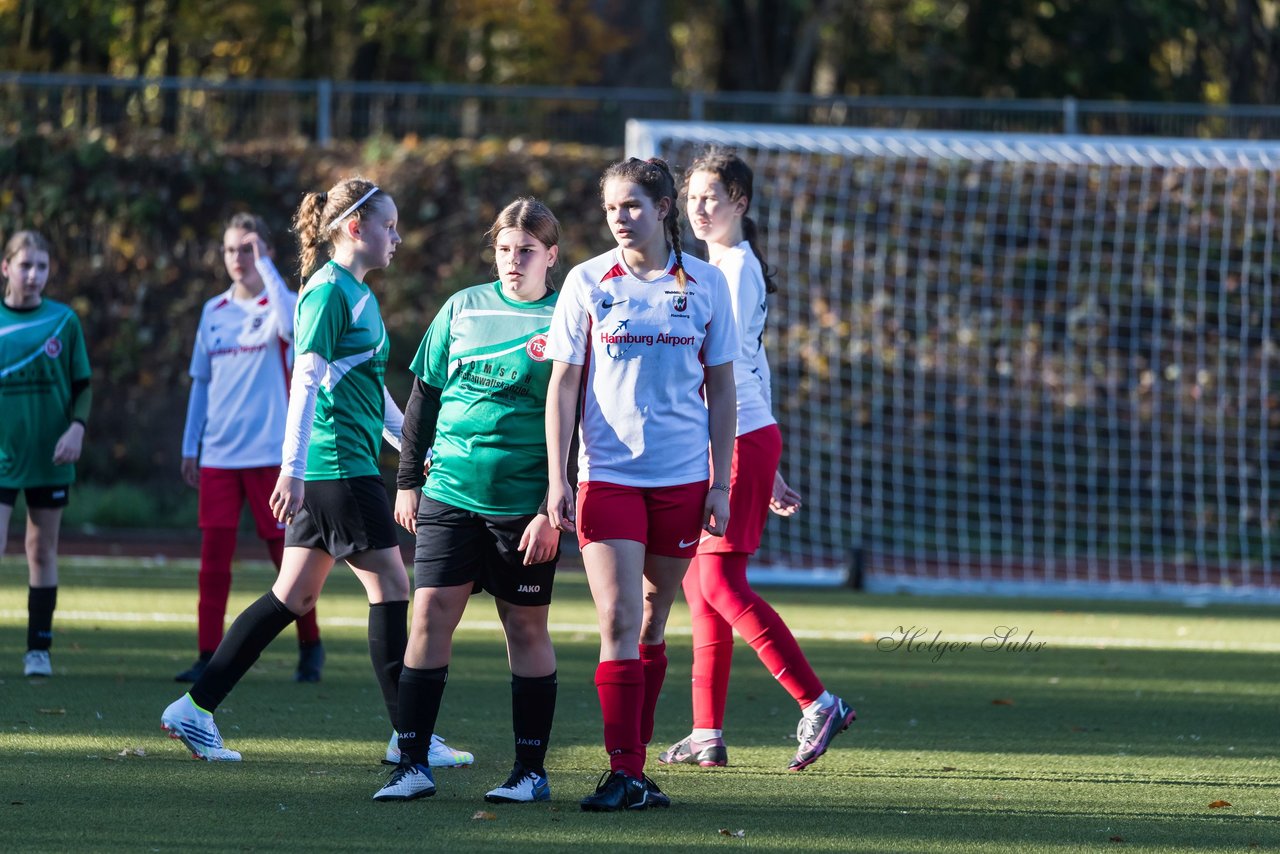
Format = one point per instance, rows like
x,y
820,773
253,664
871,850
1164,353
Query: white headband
x,y
360,201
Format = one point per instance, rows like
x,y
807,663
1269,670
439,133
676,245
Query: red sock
x,y
620,685
653,660
217,548
760,626
308,628
712,653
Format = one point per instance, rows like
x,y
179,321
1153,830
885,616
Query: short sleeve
x,y
323,316
571,322
80,369
722,343
431,363
201,366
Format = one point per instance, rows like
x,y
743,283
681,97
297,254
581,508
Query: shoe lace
x,y
807,729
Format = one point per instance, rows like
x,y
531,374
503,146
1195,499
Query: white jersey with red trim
x,y
742,270
644,346
245,356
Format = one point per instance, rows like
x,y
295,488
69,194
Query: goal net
x,y
1026,364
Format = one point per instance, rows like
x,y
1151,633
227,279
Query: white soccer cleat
x,y
194,727
522,787
36,663
407,783
441,755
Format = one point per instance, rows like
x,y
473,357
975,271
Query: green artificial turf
x,y
1116,734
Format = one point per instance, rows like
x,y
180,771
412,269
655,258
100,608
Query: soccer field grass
x,y
1118,732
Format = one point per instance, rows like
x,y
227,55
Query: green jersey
x,y
42,354
338,319
488,355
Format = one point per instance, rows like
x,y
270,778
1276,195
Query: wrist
x,y
721,485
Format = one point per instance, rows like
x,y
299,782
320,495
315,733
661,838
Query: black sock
x,y
533,705
388,636
251,633
419,705
40,604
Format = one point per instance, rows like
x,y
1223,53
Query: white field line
x,y
888,640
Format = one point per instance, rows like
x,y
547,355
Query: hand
x,y
191,472
715,512
561,512
258,245
539,541
68,448
286,498
406,511
785,500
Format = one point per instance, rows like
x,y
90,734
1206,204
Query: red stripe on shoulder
x,y
615,272
262,300
222,302
687,275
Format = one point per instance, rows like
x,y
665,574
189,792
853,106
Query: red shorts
x,y
755,462
224,491
667,519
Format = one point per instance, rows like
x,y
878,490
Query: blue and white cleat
x,y
194,727
522,787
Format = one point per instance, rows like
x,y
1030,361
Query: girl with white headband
x,y
330,491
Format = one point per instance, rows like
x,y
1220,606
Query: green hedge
x,y
137,227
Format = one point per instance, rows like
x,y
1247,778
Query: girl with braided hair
x,y
639,335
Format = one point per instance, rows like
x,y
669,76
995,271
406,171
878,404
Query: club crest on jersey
x,y
536,347
53,348
680,302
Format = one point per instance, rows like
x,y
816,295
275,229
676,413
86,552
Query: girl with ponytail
x,y
330,493
640,334
718,191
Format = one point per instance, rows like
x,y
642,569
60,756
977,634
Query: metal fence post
x,y
1070,123
324,110
697,105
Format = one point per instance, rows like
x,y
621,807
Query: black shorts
x,y
40,497
343,517
457,546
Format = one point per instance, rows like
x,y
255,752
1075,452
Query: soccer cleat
x,y
617,790
815,733
708,754
310,662
441,755
195,671
656,796
522,787
36,663
407,783
194,727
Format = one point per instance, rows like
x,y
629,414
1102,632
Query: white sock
x,y
818,705
705,735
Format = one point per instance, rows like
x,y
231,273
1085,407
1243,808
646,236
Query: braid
x,y
307,222
673,218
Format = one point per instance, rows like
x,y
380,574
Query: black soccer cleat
x,y
617,790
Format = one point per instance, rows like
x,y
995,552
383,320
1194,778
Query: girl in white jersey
x,y
718,193
329,490
638,335
235,425
45,396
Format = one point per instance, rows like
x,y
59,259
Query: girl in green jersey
x,y
478,403
44,392
330,491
